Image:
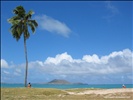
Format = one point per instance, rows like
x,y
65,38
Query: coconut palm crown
x,y
20,24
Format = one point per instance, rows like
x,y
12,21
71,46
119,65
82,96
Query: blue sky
x,y
75,40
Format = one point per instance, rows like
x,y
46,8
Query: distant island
x,y
59,81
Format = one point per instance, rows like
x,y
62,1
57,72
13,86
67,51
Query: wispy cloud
x,y
112,10
4,64
16,74
118,63
6,72
52,25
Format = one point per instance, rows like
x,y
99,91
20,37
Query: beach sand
x,y
104,91
106,94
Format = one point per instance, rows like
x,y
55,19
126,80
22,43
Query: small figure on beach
x,y
123,86
29,85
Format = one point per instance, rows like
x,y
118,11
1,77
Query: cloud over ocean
x,y
90,68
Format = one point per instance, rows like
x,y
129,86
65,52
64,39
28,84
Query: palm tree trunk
x,y
26,69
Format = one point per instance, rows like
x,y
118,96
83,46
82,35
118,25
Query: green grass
x,y
28,93
55,94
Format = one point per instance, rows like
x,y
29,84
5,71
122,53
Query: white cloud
x,y
4,64
94,58
118,63
59,58
52,25
114,63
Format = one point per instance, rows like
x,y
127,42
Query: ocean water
x,y
68,86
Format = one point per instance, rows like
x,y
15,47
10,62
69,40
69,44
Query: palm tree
x,y
20,23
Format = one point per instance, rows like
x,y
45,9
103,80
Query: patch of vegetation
x,y
56,94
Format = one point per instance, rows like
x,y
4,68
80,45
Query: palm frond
x,y
19,11
32,27
33,22
16,18
12,21
14,32
15,11
19,29
28,15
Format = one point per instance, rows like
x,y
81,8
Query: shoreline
x,y
69,86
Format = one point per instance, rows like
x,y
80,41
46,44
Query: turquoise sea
x,y
68,86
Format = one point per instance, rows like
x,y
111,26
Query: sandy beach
x,y
103,91
111,94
